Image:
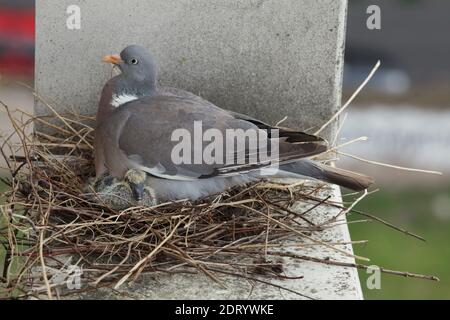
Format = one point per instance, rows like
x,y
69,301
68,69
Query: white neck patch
x,y
118,100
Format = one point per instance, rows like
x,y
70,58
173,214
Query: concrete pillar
x,y
266,58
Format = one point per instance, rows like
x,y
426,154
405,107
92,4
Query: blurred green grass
x,y
414,210
16,263
2,249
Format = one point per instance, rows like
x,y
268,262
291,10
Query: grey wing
x,y
291,134
156,127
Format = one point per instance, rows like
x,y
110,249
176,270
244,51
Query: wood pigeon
x,y
134,140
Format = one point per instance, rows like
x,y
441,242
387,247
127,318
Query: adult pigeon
x,y
134,137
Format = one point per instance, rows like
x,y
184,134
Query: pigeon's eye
x,y
134,61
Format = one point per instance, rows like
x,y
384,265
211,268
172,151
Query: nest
x,y
48,219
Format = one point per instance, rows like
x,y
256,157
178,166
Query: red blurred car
x,y
17,37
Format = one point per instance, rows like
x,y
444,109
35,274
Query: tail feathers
x,y
344,178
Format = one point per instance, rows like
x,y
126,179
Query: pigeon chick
x,y
121,194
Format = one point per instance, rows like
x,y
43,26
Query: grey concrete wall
x,y
267,58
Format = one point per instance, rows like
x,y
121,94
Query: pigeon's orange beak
x,y
114,59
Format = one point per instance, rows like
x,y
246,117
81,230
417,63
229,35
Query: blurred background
x,y
404,111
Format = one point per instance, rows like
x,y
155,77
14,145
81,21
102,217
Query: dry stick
x,y
339,129
315,206
373,217
299,245
346,223
347,143
388,224
308,237
197,264
280,186
389,165
20,131
281,121
64,120
37,118
115,268
61,145
354,204
355,265
5,157
355,94
296,214
266,242
41,250
218,250
13,123
357,193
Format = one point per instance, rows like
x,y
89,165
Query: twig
x,y
354,95
389,165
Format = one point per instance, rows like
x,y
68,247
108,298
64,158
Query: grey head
x,y
138,72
